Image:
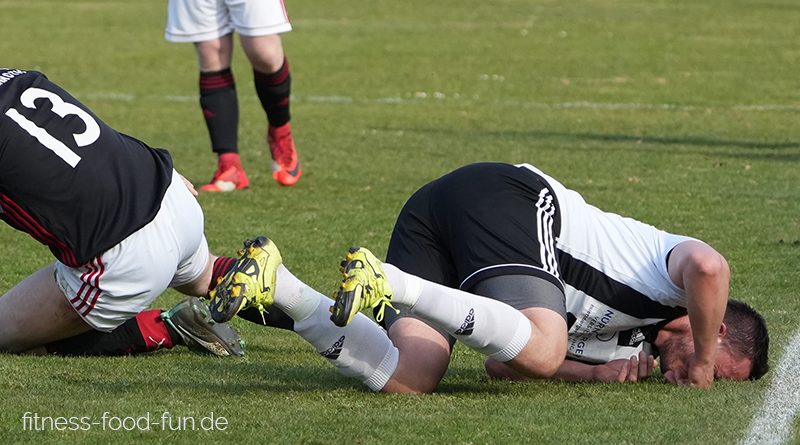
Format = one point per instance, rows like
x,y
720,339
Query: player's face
x,y
731,367
677,352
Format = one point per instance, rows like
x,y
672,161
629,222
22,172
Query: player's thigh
x,y
543,303
197,20
258,17
522,291
424,356
36,312
194,273
193,269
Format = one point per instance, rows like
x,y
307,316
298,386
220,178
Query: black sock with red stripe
x,y
274,317
145,332
220,109
221,266
273,91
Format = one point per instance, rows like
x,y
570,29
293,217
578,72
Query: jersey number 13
x,y
63,109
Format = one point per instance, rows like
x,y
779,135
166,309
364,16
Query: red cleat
x,y
285,164
229,176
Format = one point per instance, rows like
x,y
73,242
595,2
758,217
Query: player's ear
x,y
723,331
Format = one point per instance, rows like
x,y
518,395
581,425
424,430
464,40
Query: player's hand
x,y
701,376
623,370
698,375
188,185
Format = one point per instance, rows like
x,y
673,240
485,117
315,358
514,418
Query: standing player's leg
x,y
209,26
273,83
259,24
220,107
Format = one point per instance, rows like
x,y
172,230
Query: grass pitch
x,y
680,113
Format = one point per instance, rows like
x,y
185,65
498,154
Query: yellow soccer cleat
x,y
249,283
364,286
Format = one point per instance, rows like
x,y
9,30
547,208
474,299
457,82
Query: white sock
x,y
361,349
488,326
406,288
293,296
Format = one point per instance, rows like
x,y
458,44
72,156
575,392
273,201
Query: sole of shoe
x,y
224,304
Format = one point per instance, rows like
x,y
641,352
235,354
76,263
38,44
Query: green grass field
x,y
681,113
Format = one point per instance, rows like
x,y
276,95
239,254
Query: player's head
x,y
743,349
747,336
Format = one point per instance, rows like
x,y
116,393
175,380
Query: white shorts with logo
x,y
169,251
201,20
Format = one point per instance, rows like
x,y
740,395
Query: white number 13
x,y
63,109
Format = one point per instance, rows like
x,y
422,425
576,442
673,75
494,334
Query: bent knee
x,y
547,346
538,362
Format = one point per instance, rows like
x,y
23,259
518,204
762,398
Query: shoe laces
x,y
382,303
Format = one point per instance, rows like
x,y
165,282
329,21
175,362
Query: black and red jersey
x,y
68,179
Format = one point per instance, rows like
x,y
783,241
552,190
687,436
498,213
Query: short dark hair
x,y
748,336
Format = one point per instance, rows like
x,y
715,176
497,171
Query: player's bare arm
x,y
636,368
705,276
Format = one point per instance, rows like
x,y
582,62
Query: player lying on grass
x,y
514,265
121,223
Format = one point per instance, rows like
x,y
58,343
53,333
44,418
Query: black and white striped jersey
x,y
68,179
616,284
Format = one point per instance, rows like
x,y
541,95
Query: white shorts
x,y
201,20
169,251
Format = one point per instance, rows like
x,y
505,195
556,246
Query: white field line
x,y
772,425
436,97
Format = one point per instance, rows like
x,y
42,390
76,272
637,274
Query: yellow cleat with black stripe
x,y
364,286
249,283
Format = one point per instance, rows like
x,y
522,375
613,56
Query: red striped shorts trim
x,y
86,298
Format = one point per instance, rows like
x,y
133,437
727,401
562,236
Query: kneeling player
x,y
514,265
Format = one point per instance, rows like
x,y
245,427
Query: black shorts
x,y
480,221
